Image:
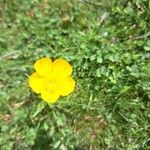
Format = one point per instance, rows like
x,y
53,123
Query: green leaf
x,y
57,144
99,60
39,108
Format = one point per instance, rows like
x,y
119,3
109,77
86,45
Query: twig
x,y
143,36
91,3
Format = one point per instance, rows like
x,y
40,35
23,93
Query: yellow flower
x,y
52,79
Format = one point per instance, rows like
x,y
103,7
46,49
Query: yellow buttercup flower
x,y
52,79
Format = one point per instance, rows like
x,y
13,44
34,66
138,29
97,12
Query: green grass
x,y
108,45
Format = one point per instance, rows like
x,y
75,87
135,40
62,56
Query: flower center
x,y
50,87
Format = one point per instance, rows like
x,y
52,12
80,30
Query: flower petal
x,y
49,97
36,82
61,68
65,86
43,67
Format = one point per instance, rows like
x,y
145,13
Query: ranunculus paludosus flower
x,y
52,79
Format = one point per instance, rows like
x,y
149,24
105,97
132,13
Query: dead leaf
x,y
11,55
6,117
65,19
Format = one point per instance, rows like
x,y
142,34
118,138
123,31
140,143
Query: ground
x,y
108,45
